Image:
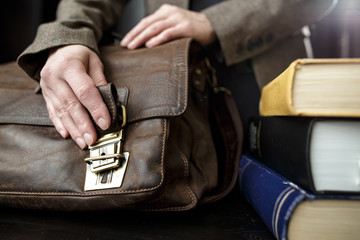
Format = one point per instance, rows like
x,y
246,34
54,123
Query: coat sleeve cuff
x,y
51,35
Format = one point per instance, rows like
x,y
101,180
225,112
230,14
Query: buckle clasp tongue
x,y
106,165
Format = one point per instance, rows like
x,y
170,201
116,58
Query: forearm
x,y
77,22
247,28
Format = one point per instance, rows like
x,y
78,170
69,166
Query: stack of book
x,y
301,170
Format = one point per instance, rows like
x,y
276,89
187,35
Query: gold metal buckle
x,y
105,168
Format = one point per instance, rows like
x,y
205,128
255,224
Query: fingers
x,y
68,114
151,26
145,36
128,40
168,23
87,95
68,81
166,35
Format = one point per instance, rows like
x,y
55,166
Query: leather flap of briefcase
x,y
158,85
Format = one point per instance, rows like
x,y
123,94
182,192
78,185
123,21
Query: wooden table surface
x,y
229,218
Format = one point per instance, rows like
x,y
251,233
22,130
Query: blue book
x,y
290,212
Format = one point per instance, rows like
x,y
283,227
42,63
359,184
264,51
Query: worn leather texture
x,y
183,138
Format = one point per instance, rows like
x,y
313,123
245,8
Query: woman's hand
x,y
167,23
68,82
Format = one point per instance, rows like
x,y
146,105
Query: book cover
x,y
290,212
314,87
319,154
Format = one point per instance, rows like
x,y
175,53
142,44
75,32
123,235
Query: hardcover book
x,y
291,212
319,154
314,87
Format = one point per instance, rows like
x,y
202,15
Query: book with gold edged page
x,y
314,87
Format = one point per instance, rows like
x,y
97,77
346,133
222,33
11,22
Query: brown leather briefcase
x,y
174,143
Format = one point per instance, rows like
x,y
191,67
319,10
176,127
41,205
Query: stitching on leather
x,y
103,192
187,188
40,121
190,193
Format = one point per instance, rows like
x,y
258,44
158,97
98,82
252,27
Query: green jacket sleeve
x,y
77,22
247,28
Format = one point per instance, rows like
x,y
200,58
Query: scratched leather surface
x,y
173,161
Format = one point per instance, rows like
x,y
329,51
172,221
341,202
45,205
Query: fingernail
x,y
131,45
103,124
62,133
80,143
123,42
88,139
149,44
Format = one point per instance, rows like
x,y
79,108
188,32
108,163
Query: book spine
x,y
272,196
276,96
283,144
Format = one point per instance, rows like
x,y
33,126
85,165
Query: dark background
x,y
334,36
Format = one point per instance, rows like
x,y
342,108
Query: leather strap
x,y
112,98
228,127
